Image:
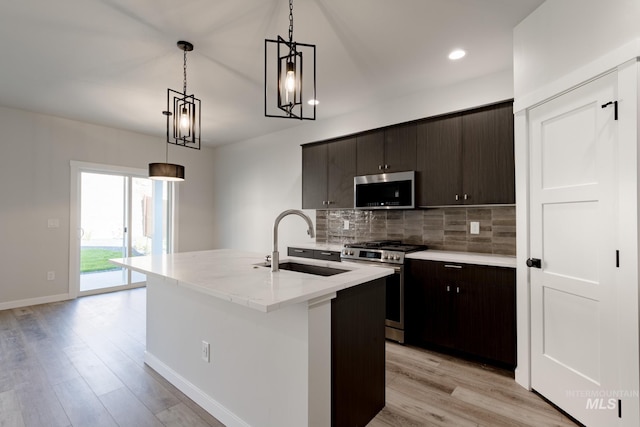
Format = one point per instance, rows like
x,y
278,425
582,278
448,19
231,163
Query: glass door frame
x,y
77,168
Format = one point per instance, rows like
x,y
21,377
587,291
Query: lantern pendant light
x,y
293,84
183,125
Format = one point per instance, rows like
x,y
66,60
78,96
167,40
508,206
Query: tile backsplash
x,y
439,228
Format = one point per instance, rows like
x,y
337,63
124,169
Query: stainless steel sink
x,y
317,270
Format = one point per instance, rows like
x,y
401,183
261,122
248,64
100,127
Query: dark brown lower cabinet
x,y
357,354
466,308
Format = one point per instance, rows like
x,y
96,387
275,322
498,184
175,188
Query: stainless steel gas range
x,y
386,253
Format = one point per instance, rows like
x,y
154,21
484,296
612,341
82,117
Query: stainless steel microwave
x,y
385,191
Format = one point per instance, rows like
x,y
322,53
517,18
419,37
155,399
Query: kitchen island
x,y
256,348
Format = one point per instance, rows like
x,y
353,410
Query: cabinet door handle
x,y
324,202
329,202
466,196
448,288
386,167
299,251
452,266
457,289
325,253
457,197
379,167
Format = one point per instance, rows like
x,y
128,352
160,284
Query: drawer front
x,y
300,252
326,255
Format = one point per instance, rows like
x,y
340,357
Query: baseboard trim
x,y
33,301
209,404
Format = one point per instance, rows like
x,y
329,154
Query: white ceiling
x,y
110,62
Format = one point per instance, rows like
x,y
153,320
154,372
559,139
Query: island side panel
x,y
320,361
258,374
358,353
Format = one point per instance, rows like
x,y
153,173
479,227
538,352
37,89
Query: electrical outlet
x,y
475,227
206,352
346,224
51,275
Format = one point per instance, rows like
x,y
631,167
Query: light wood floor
x,y
430,389
80,363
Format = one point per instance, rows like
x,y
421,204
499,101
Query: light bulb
x,y
185,123
290,81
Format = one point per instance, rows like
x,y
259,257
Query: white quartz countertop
x,y
465,258
232,275
432,255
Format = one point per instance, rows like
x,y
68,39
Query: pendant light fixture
x,y
289,82
183,125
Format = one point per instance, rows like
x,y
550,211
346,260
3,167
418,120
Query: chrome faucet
x,y
275,256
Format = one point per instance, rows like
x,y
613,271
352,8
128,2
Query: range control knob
x,y
385,256
396,257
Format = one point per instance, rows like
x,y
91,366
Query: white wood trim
x,y
628,232
211,405
579,76
104,168
523,309
33,301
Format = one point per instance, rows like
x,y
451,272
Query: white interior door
x,y
573,232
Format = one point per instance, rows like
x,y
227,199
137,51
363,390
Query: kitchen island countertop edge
x,y
235,276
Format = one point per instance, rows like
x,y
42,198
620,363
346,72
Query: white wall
x,y
35,186
563,35
257,179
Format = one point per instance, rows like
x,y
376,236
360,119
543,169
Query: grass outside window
x,y
97,259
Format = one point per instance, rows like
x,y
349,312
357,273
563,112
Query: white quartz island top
x,y
233,276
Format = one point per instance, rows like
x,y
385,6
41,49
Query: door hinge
x,y
619,408
617,259
615,108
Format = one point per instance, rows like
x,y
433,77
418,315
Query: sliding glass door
x,y
120,214
103,230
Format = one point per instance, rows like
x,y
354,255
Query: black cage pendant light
x,y
289,81
183,125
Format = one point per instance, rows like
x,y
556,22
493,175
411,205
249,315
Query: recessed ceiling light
x,y
313,102
457,54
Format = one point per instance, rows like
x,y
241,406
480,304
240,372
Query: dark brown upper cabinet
x,y
439,161
392,149
467,158
488,159
370,149
328,169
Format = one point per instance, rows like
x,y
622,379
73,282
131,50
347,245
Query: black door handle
x,y
534,262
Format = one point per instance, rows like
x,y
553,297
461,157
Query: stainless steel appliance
x,y
386,253
385,191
